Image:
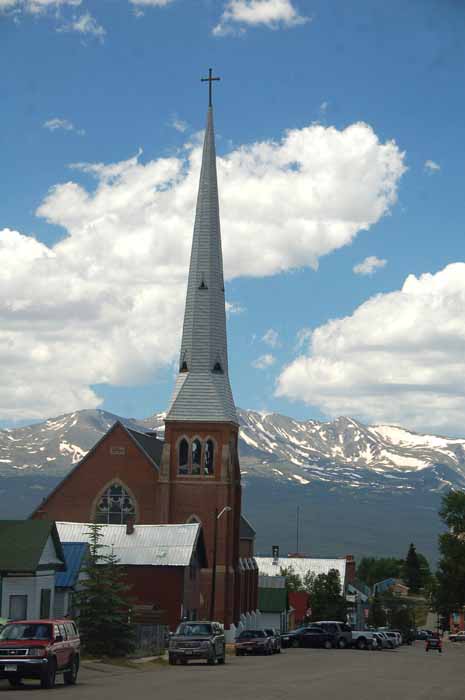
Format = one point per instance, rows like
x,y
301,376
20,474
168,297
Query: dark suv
x,y
341,631
39,649
198,640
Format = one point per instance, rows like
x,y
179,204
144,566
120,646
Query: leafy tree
x,y
293,579
450,593
326,599
102,603
412,570
376,615
370,570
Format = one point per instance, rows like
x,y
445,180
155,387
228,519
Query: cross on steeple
x,y
209,80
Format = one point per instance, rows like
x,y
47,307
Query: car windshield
x,y
194,629
270,633
25,631
251,634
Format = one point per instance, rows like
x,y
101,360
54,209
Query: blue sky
x,y
127,78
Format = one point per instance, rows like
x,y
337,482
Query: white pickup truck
x,y
363,640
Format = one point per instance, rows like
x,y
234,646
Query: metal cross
x,y
209,80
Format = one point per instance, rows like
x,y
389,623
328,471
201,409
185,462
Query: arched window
x,y
183,466
115,506
196,456
209,457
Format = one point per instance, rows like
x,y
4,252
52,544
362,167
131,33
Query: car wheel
x,y
222,660
15,682
341,643
391,645
295,643
49,675
238,653
278,650
211,661
70,677
327,644
361,643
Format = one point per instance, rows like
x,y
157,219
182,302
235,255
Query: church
x,y
193,475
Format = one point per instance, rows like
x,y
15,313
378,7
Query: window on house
x,y
196,456
115,506
45,601
183,466
209,455
17,607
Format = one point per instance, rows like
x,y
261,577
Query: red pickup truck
x,y
39,649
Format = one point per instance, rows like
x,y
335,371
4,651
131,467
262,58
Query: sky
x,y
341,167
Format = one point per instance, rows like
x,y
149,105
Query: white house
x,y
30,555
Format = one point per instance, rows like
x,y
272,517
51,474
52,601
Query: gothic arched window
x,y
115,506
209,457
183,465
196,456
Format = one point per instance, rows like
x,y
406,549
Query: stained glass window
x,y
183,466
209,454
196,456
115,506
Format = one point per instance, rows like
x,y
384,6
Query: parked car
x,y
310,636
40,649
275,639
253,642
3,622
382,642
434,643
341,630
395,636
390,643
363,640
198,640
421,635
457,637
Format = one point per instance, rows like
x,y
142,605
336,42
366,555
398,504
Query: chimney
x,y
350,568
129,526
275,551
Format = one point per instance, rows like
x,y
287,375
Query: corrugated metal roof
x,y
75,553
201,393
301,566
149,545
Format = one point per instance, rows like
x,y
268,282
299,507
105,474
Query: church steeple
x,y
202,391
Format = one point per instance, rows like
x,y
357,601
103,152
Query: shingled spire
x,y
202,391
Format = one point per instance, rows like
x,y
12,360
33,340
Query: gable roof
x,y
149,445
148,545
22,543
246,530
75,555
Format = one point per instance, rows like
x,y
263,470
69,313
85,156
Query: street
x,y
404,674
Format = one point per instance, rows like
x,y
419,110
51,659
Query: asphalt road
x,y
408,673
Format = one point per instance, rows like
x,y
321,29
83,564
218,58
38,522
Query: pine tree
x,y
102,603
326,599
412,568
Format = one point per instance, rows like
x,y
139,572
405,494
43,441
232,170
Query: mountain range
x,y
320,488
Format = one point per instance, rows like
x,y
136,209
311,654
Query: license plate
x,y
10,667
188,653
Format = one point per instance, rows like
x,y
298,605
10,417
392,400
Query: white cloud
x,y
151,3
57,124
431,166
86,25
369,265
233,308
179,124
271,338
269,13
264,361
104,305
38,6
324,107
399,358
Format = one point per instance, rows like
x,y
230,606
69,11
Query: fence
x,y
151,640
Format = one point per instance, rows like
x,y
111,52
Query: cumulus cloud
x,y
273,14
264,361
431,166
399,358
37,6
105,304
232,307
271,338
151,3
369,265
86,25
57,124
179,124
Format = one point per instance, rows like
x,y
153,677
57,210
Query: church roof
x,y
150,444
202,391
147,545
247,532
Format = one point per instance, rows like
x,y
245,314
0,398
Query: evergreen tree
x,y
412,570
376,615
326,597
449,595
102,603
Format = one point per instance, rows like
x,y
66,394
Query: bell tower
x,y
200,475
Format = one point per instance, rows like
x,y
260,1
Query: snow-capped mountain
x,y
353,472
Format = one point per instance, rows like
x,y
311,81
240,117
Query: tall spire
x,y
202,391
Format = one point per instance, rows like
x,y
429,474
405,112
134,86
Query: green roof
x,y
22,543
272,600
